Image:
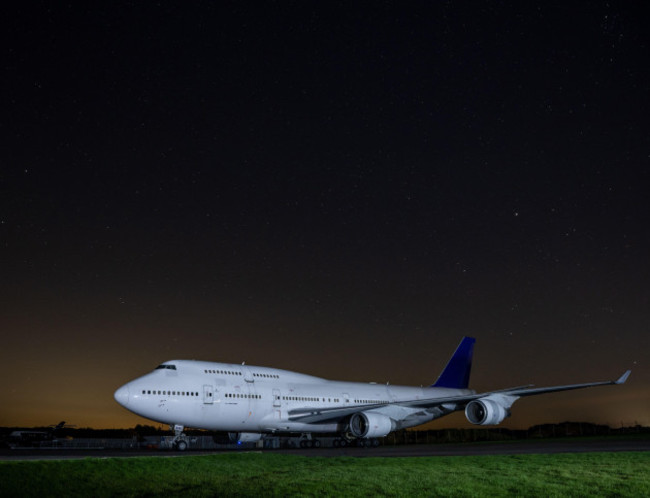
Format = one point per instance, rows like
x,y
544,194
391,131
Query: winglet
x,y
623,377
456,373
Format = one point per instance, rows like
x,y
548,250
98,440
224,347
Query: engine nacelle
x,y
487,411
370,425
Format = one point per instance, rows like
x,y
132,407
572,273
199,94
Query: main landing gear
x,y
368,443
310,443
305,441
359,443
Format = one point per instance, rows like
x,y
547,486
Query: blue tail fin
x,y
456,374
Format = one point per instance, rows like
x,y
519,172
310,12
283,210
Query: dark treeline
x,y
545,431
561,430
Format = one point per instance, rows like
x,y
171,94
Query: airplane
x,y
34,437
250,402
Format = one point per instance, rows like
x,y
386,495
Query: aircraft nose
x,y
122,395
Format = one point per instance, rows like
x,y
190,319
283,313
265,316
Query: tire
x,y
181,446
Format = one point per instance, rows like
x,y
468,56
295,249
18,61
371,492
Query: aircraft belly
x,y
240,416
281,427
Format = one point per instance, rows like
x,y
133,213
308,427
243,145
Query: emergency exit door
x,y
208,397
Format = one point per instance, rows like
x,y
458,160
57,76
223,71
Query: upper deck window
x,y
168,367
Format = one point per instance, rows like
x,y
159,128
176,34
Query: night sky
x,y
338,188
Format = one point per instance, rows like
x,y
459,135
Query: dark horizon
x,y
156,427
329,189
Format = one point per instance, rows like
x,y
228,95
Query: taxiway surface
x,y
420,450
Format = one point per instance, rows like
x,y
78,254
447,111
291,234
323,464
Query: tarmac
x,y
525,447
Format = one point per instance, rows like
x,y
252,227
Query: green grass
x,y
248,474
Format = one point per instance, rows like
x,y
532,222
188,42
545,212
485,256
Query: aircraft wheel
x,y
316,443
336,443
375,442
343,443
181,446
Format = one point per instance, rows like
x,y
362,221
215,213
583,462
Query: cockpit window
x,y
168,367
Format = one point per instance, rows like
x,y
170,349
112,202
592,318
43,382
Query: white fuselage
x,y
242,398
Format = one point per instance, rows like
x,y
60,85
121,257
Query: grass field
x,y
248,474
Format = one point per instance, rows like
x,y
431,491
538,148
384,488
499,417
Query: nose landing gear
x,y
180,441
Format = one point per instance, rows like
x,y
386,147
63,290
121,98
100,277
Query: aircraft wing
x,y
542,390
320,415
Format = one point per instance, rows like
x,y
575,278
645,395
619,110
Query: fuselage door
x,y
248,376
276,397
208,396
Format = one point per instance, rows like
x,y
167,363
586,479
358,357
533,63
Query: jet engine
x,y
487,411
367,425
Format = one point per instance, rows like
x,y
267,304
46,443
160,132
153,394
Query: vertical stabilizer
x,y
456,374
